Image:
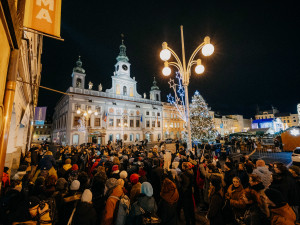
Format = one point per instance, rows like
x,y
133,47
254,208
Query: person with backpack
x,y
113,192
84,212
39,210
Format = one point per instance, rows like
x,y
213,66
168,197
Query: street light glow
x,y
96,113
78,111
199,69
90,112
85,114
208,49
165,54
166,71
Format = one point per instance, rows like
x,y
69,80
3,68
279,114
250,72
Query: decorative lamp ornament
x,y
96,113
165,53
78,111
85,114
199,68
166,70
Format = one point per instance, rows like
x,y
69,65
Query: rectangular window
x,y
131,123
153,113
288,121
158,123
37,132
137,123
158,114
147,123
118,122
153,123
125,122
171,125
294,121
175,125
75,122
147,113
97,122
111,122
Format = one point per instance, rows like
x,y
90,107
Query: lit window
x,y
147,123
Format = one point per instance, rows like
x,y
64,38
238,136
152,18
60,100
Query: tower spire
x,y
78,67
122,55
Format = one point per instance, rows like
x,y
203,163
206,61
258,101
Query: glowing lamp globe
x,y
85,114
96,113
199,69
165,54
78,111
208,49
90,111
166,71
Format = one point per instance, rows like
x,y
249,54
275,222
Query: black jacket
x,y
214,213
85,214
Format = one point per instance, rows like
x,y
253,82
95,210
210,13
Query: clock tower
x,y
122,83
122,67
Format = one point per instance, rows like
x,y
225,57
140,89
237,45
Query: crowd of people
x,y
132,185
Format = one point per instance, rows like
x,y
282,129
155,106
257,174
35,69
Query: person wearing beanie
x,y
114,194
263,172
123,174
142,173
146,201
75,185
167,207
85,214
73,174
115,172
136,187
281,212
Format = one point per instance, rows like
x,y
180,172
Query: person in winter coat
x,y
253,214
284,182
263,172
145,202
256,184
229,174
65,170
156,178
167,207
114,192
186,184
73,175
281,212
115,171
214,213
295,171
136,187
47,161
85,214
242,174
234,195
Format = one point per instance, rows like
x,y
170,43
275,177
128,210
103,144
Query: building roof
x,y
282,114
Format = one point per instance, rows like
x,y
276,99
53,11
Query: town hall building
x,y
118,113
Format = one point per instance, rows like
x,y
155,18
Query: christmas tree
x,y
202,126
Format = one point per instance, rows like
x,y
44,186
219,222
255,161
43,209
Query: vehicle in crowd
x,y
296,156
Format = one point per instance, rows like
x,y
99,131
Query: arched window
x,y
124,90
157,97
131,91
118,89
78,83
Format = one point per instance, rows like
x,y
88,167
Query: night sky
x,y
256,59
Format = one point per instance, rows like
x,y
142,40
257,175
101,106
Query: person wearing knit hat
x,y
147,189
115,172
87,196
75,185
85,213
111,183
136,187
123,174
74,167
167,209
121,182
134,178
281,212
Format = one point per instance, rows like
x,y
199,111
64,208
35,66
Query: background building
x,y
119,113
42,133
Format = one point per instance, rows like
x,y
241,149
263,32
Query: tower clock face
x,y
125,67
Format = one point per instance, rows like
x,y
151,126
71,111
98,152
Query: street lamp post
x,y
86,114
185,70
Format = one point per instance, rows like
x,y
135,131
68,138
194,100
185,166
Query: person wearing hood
x,y
281,212
263,172
114,192
186,192
167,207
145,202
253,213
215,195
65,170
85,214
